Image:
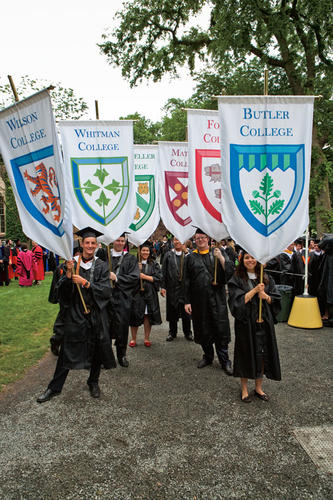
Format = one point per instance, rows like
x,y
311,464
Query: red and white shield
x,y
208,180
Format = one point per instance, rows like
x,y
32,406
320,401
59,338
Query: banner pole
x,y
96,110
306,271
141,281
261,265
86,310
11,81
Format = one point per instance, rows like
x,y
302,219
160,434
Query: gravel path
x,y
163,429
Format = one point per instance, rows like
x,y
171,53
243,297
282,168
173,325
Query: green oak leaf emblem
x,y
266,187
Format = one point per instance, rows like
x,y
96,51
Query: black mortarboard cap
x,y
123,235
199,231
88,232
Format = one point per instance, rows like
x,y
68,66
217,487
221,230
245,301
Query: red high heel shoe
x,y
132,343
147,343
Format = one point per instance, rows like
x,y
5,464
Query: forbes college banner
x,y
266,160
205,172
30,150
147,215
98,158
173,189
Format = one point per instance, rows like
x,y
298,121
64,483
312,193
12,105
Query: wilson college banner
x,y
30,150
98,159
266,160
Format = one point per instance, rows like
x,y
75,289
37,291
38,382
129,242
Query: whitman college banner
x,y
30,150
173,189
98,159
266,160
205,171
147,215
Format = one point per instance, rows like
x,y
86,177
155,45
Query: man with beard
x,y
206,301
173,288
86,343
124,275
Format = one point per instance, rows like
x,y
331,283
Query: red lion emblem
x,y
42,183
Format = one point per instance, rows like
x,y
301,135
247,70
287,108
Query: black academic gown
x,y
172,284
86,334
285,267
297,266
209,307
127,270
148,297
314,272
247,359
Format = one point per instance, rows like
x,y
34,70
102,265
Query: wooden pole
x,y
110,263
11,81
96,110
86,310
141,281
260,320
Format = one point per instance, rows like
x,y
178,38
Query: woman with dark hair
x,y
256,353
145,307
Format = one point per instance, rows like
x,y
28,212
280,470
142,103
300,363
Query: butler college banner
x,y
266,159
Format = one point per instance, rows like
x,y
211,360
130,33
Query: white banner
x,y
266,160
147,215
173,189
30,150
204,177
98,159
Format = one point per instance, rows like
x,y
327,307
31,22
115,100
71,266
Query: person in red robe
x,y
38,269
25,264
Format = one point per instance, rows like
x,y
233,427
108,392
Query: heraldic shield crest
x,y
145,200
101,186
176,194
267,183
37,186
208,180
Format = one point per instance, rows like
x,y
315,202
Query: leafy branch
x,y
266,187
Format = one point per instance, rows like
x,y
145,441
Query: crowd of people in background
x,y
25,262
106,293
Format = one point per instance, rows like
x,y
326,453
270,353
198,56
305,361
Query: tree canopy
x,y
226,44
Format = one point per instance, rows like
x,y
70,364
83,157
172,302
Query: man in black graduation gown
x,y
172,287
124,276
207,302
86,342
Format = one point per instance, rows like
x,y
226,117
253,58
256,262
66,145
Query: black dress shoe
x,y
204,362
263,397
94,390
189,337
227,367
246,399
123,362
170,338
47,395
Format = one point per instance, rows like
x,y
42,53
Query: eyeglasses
x,y
201,238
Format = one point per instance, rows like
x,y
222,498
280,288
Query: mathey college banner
x,y
266,160
204,183
98,159
147,215
30,150
173,189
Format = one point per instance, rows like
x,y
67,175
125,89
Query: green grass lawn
x,y
26,324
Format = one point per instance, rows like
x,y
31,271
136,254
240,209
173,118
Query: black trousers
x,y
60,373
221,351
186,321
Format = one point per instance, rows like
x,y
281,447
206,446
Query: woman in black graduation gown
x,y
145,306
256,353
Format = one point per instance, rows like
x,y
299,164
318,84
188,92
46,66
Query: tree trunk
x,y
322,200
